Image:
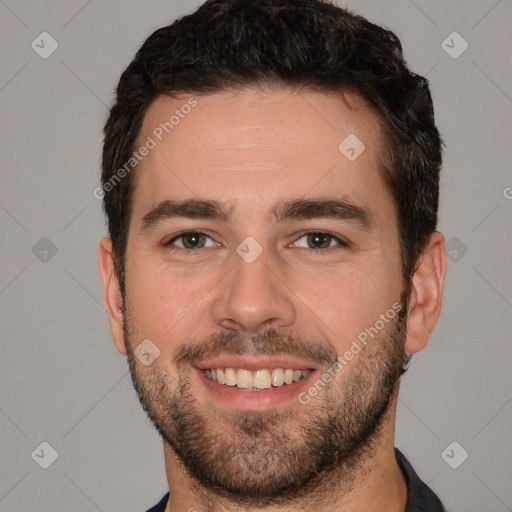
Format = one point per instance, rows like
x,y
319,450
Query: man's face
x,y
272,282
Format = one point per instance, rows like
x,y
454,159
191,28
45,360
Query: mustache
x,y
271,342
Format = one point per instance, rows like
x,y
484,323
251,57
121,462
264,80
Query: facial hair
x,y
276,456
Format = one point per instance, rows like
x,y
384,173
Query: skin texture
x,y
253,149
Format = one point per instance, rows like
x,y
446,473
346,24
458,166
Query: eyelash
x,y
317,251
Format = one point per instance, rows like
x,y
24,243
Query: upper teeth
x,y
259,379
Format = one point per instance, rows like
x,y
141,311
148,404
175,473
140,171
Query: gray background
x,y
61,379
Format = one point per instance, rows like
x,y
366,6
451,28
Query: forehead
x,y
255,146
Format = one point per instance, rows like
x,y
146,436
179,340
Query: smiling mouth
x,y
258,380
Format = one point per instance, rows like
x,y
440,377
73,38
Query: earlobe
x,y
111,293
426,294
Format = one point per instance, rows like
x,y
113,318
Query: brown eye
x,y
190,240
319,240
193,240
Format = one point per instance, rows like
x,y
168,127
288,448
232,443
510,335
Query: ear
x,y
111,293
426,293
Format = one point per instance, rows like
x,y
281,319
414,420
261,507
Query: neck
x,y
353,487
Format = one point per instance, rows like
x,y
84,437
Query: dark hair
x,y
301,44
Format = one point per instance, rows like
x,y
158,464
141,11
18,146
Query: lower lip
x,y
235,398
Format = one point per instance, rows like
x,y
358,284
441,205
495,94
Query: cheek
x,y
166,305
347,301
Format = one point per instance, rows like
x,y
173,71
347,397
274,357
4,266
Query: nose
x,y
254,296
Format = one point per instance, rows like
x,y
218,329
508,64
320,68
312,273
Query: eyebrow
x,y
324,208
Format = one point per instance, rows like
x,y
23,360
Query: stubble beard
x,y
278,456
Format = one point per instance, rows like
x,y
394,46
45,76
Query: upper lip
x,y
255,362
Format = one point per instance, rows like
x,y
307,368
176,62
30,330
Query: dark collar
x,y
420,497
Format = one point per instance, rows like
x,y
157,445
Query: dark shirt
x,y
160,506
420,498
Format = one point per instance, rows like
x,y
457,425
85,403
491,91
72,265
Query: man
x,y
271,182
